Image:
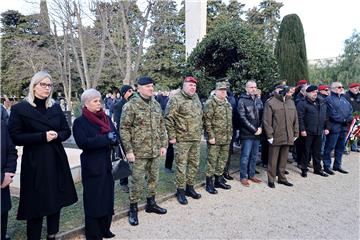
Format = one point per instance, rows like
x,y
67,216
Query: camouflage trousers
x,y
147,168
187,158
216,159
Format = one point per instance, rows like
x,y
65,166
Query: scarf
x,y
99,118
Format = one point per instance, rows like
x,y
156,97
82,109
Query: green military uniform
x,y
218,125
183,118
143,133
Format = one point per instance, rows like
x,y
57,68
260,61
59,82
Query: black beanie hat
x,y
311,88
124,89
145,81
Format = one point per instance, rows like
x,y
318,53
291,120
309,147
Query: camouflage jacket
x,y
218,120
142,128
183,117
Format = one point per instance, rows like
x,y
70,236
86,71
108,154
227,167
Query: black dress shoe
x,y
108,235
328,171
286,183
321,173
304,174
340,170
271,185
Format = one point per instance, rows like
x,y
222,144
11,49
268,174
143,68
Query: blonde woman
x,y
46,185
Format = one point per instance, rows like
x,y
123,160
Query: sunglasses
x,y
340,87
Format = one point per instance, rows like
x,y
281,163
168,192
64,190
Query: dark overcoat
x,y
280,120
96,168
46,184
8,164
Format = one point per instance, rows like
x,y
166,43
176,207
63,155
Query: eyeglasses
x,y
45,85
340,87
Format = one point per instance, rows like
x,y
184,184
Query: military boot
x,y
190,192
210,186
180,195
133,214
152,207
220,183
227,176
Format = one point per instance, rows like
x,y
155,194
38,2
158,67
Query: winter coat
x,y
183,117
8,164
354,100
312,116
46,184
280,120
339,111
250,116
142,128
96,167
218,120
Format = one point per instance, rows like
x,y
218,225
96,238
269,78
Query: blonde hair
x,y
38,77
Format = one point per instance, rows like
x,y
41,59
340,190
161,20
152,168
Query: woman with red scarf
x,y
95,134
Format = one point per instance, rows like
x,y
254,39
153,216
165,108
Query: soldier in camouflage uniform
x,y
143,134
183,118
218,128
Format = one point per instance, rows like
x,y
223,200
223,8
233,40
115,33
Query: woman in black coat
x,y
8,168
46,184
95,134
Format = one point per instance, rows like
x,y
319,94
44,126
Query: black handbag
x,y
120,167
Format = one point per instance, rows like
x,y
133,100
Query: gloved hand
x,y
270,140
112,136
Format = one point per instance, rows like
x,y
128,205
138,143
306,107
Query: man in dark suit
x,y
8,168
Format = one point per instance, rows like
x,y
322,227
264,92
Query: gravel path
x,y
315,208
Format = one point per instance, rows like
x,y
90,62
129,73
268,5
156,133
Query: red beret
x,y
323,87
351,85
190,79
302,82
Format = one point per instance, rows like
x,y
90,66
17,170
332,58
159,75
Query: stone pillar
x,y
195,23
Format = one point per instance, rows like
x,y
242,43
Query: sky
x,y
327,24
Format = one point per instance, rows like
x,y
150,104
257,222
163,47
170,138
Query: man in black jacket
x,y
313,122
8,168
126,93
250,114
353,97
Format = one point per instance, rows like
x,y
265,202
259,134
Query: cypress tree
x,y
290,50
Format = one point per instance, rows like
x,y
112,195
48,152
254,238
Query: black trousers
x,y
312,149
300,149
4,221
97,228
264,151
34,226
169,156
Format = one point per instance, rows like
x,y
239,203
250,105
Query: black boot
x,y
220,183
190,192
180,195
227,176
152,207
133,216
210,186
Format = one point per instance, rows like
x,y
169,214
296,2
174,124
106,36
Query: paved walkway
x,y
315,208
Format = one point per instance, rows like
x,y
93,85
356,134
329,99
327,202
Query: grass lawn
x,y
73,216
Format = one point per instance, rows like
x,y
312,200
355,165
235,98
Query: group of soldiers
x,y
146,132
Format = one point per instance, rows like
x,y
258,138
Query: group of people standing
x,y
145,130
